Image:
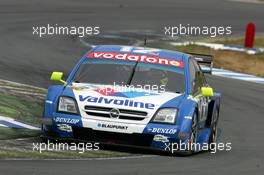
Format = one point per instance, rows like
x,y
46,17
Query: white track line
x,y
21,84
85,159
13,121
3,125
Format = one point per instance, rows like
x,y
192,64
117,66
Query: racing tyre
x,y
193,138
213,135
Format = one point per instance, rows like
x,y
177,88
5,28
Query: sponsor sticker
x,y
119,102
66,120
136,58
162,130
188,117
64,127
147,50
112,126
160,138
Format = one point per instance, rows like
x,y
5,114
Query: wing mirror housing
x,y
206,70
207,91
57,76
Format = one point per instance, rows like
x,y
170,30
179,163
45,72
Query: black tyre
x,y
213,135
193,138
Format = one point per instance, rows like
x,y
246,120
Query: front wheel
x,y
193,137
213,135
191,147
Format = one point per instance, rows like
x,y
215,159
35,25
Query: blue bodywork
x,y
186,104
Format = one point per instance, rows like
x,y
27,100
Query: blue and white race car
x,y
134,96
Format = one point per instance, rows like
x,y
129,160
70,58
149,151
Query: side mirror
x,y
57,76
207,91
206,71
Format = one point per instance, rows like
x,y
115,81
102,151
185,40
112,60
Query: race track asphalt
x,y
28,59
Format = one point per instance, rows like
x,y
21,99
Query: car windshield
x,y
131,74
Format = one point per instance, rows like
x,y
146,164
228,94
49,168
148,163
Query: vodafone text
x,y
136,58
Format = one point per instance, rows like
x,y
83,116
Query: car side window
x,y
192,75
200,76
196,77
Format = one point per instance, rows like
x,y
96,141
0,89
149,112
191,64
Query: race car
x,y
135,96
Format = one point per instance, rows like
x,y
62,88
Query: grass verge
x,y
21,102
231,60
25,103
10,133
21,109
259,41
18,144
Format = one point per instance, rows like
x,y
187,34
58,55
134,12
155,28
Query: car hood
x,y
118,97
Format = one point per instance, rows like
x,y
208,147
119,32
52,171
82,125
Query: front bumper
x,y
72,127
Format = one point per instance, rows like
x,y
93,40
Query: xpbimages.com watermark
x,y
57,146
183,146
190,30
56,29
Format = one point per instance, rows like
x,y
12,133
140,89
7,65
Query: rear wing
x,y
205,61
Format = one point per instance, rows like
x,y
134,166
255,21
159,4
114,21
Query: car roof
x,y
179,56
